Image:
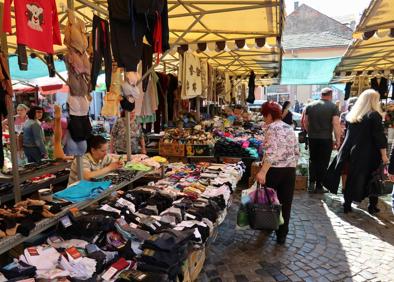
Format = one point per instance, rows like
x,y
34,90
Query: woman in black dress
x,y
287,116
364,149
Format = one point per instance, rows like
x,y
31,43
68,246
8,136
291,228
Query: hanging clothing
x,y
80,128
251,86
37,24
50,65
150,102
227,88
22,57
101,49
348,89
243,94
74,33
171,95
204,78
211,83
161,112
111,101
129,25
380,85
79,85
136,92
78,105
220,81
191,81
147,57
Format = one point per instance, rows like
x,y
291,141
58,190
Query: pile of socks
x,y
140,234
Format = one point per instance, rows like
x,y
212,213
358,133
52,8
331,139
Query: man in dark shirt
x,y
321,118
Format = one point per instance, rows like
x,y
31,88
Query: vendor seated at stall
x,y
96,162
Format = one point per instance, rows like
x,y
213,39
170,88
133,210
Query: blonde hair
x,y
367,102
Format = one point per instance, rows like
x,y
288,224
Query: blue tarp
x,y
36,68
308,71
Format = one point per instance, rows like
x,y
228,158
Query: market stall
x,y
166,60
368,61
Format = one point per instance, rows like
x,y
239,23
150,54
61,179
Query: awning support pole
x,y
11,125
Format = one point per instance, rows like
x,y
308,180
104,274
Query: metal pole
x,y
128,135
11,124
79,167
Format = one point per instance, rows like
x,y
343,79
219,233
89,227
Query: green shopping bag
x,y
242,216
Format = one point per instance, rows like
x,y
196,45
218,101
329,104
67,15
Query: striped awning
x,y
236,36
372,49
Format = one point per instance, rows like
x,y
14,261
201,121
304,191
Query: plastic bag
x,y
281,219
245,195
262,197
242,216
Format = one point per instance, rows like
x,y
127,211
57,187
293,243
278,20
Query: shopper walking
x,y
287,115
321,118
33,136
280,161
344,126
118,136
364,149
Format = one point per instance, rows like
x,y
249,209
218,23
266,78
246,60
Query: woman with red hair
x,y
281,153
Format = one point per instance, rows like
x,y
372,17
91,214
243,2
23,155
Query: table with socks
x,y
143,234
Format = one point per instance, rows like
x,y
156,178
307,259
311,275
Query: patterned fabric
x,y
119,135
191,83
280,145
211,84
204,78
150,102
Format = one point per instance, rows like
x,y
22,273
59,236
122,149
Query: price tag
x,y
66,221
109,273
33,251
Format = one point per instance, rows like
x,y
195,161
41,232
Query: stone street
x,y
323,244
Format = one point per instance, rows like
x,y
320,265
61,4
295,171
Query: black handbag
x,y
263,216
379,185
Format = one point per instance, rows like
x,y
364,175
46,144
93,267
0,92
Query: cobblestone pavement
x,y
323,244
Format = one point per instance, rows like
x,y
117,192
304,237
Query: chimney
x,y
296,5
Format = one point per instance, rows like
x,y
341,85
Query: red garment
x,y
37,24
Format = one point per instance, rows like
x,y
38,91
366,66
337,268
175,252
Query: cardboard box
x,y
199,150
301,183
172,149
230,160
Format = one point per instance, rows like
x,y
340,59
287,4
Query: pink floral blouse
x,y
280,145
